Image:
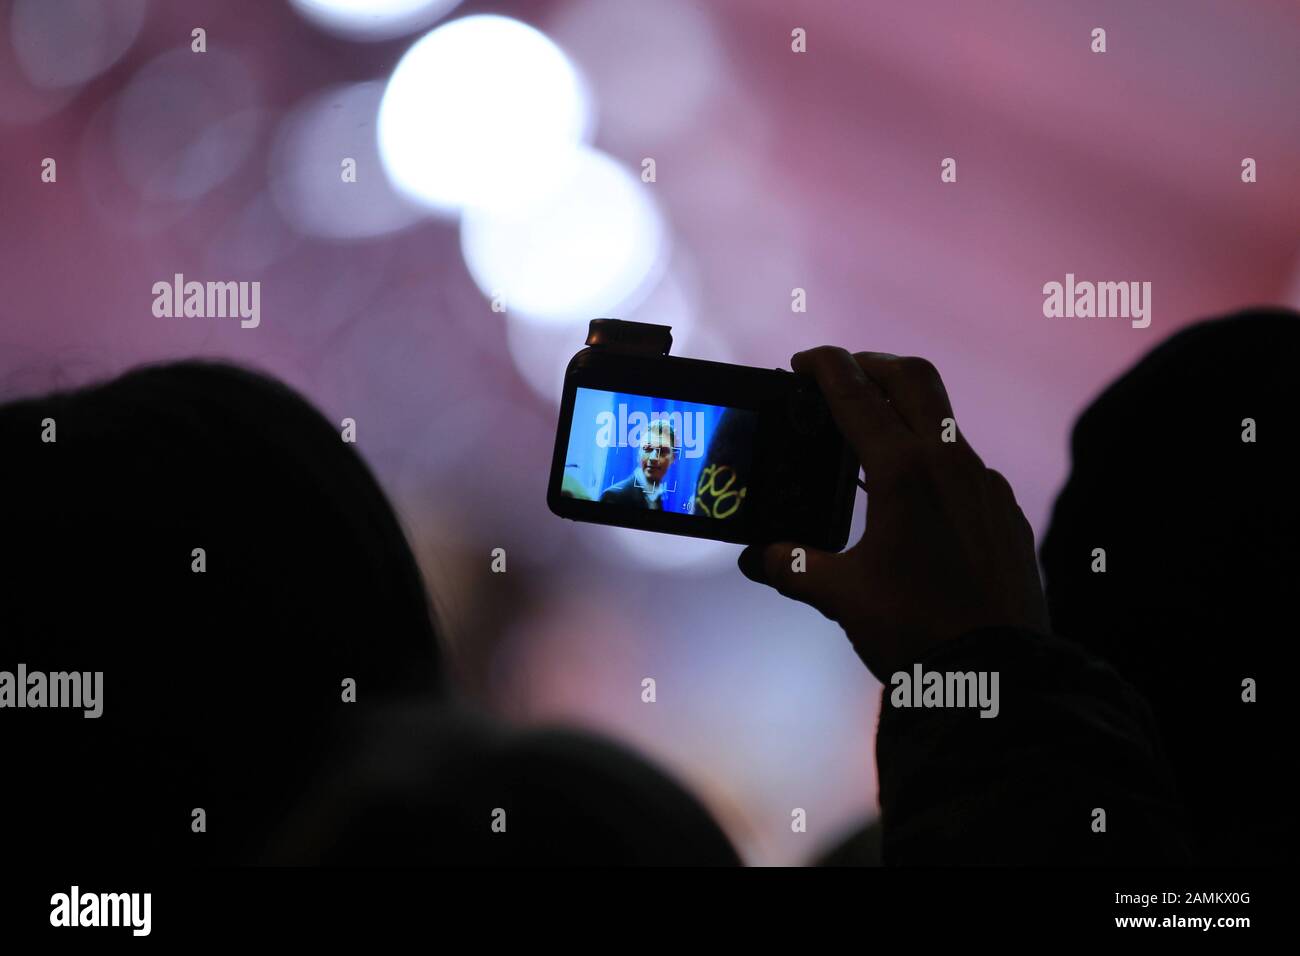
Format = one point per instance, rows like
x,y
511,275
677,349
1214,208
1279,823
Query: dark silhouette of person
x,y
222,685
944,581
420,784
723,483
205,539
1183,474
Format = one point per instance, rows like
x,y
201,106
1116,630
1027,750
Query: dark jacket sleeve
x,y
1024,787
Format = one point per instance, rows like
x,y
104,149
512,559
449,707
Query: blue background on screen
x,y
597,468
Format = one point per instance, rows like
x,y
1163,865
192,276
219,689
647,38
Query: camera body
x,y
705,449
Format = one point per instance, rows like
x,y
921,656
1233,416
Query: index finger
x,y
858,405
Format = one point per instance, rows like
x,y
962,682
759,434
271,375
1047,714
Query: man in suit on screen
x,y
645,487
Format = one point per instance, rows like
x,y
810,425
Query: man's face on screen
x,y
656,454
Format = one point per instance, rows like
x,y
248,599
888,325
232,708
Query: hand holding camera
x,y
946,548
757,456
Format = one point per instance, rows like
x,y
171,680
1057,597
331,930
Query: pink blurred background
x,y
774,170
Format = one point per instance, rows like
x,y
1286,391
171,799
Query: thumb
x,y
804,574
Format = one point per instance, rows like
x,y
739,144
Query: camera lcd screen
x,y
659,454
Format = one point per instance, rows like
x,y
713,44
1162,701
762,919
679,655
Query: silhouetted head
x,y
206,539
1201,537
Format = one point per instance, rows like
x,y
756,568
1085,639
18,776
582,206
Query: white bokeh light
x,y
306,173
541,351
179,132
658,66
373,19
594,246
484,111
62,43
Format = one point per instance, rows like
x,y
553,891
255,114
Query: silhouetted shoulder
x,y
450,787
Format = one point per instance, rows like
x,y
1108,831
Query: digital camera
x,y
650,441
